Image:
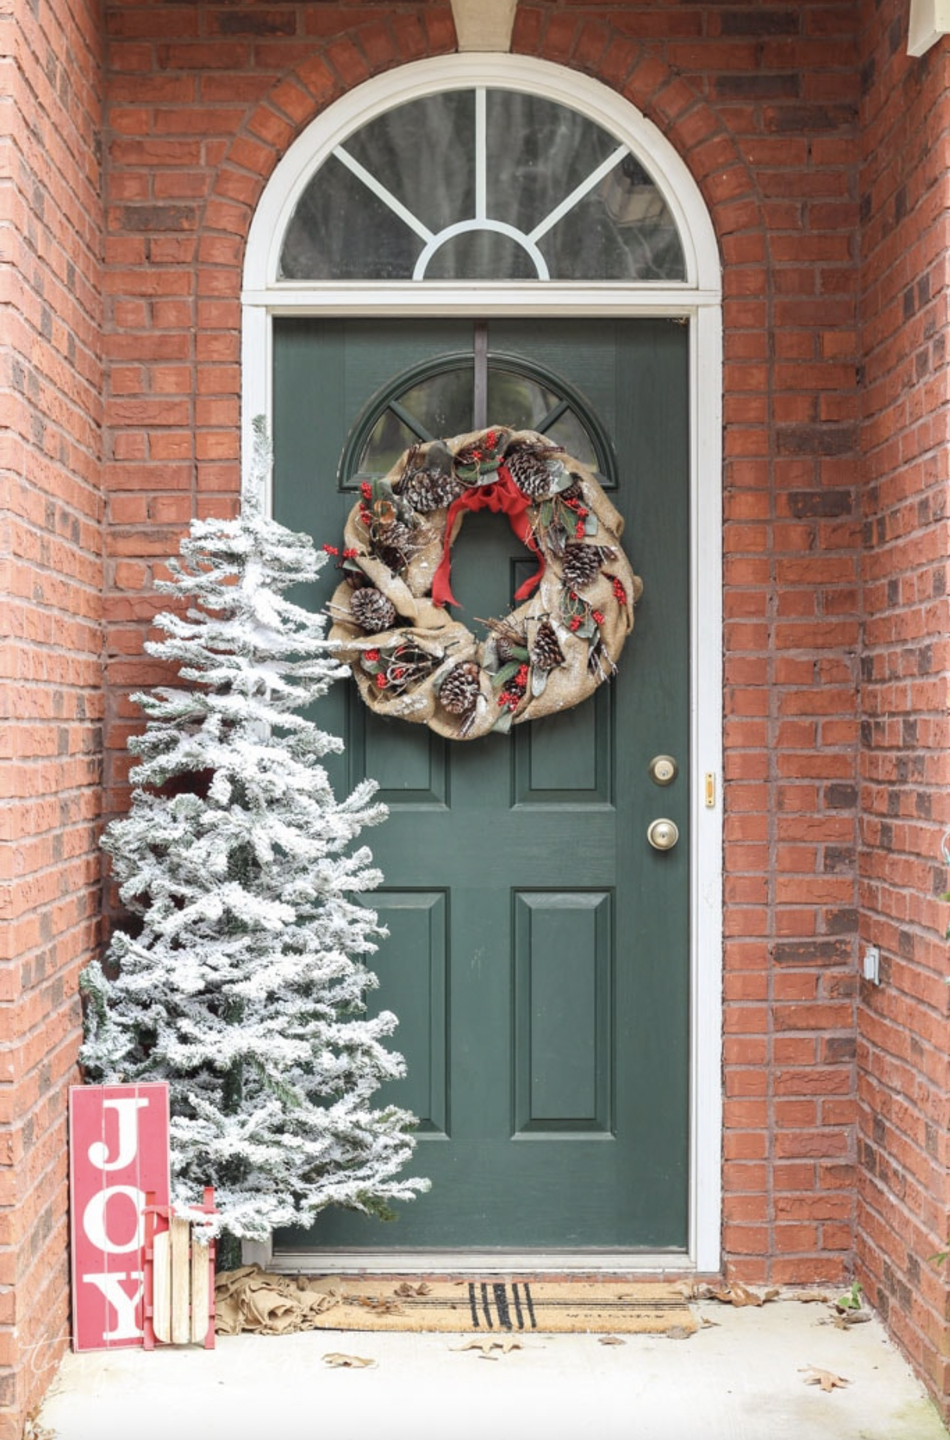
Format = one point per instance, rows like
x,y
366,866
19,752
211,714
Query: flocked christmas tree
x,y
243,983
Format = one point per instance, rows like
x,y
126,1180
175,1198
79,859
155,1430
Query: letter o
x,y
94,1220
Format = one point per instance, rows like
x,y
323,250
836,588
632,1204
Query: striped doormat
x,y
250,1300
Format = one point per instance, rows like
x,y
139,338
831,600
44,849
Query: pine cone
x,y
529,470
426,490
460,689
429,482
372,610
393,545
505,648
582,563
398,537
546,653
573,491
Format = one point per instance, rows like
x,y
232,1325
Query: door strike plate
x,y
709,790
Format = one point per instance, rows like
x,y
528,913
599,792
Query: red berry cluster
x,y
513,694
619,592
398,669
366,494
581,512
576,616
490,443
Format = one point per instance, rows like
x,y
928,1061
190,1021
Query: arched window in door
x,y
452,394
481,184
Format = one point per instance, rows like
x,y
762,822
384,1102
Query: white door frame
x,y
697,300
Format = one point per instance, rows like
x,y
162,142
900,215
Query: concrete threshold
x,y
739,1378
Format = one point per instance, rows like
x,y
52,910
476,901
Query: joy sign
x,y
118,1162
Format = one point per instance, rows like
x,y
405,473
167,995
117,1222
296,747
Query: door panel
x,y
538,950
570,761
417,991
562,1058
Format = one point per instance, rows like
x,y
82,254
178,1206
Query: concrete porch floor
x,y
737,1380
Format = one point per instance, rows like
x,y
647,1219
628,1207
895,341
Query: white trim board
x,y
698,301
929,20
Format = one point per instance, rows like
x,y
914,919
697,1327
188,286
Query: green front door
x,y
538,950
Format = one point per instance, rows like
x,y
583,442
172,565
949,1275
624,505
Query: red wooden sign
x,y
118,1155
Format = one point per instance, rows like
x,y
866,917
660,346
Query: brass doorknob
x,y
663,834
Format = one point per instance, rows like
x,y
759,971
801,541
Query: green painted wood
x,y
563,1001
417,991
538,954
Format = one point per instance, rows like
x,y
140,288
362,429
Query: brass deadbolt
x,y
663,769
663,834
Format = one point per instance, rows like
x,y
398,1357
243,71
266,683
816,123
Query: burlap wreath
x,y
410,659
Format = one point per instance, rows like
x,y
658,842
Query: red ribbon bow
x,y
501,496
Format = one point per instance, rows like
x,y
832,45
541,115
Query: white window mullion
x,y
578,193
379,189
481,154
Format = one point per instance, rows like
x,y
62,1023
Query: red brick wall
x,y
904,1037
50,413
203,100
761,101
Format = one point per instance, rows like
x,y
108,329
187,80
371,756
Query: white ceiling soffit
x,y
929,19
484,24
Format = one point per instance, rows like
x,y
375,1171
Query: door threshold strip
x,y
477,1262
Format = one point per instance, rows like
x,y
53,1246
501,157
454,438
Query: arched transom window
x,y
478,183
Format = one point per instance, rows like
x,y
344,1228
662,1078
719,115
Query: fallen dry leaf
x,y
847,1319
827,1379
34,1430
406,1289
485,1347
611,1340
337,1361
380,1307
706,1324
736,1294
678,1332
